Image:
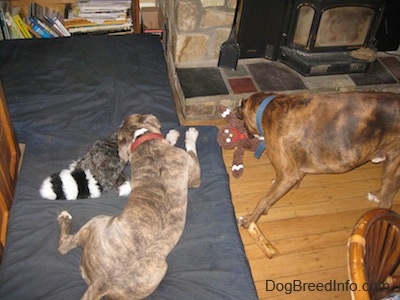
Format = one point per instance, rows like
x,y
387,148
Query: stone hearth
x,y
203,89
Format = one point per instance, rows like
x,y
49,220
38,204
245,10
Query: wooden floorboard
x,y
309,226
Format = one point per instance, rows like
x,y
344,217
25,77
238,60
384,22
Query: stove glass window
x,y
344,26
303,27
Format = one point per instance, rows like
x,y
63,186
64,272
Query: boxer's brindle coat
x,y
124,257
328,133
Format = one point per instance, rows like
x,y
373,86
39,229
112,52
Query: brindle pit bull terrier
x,y
324,133
124,256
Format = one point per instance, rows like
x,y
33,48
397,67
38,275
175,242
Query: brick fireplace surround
x,y
194,32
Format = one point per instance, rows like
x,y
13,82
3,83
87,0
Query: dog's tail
x,y
71,184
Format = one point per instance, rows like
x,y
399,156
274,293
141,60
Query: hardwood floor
x,y
309,226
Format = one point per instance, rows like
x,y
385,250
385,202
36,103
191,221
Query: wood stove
x,y
314,37
323,34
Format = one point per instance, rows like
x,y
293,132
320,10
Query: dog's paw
x,y
172,136
379,157
192,134
373,197
243,221
190,139
63,217
125,189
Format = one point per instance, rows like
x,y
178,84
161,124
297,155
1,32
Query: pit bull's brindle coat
x,y
328,133
124,257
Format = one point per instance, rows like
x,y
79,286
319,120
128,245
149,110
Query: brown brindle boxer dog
x,y
328,133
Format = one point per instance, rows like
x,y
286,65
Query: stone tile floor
x,y
203,88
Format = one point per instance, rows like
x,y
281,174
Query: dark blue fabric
x,y
86,83
64,94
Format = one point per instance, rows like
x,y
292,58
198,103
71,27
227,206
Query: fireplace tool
x,y
230,49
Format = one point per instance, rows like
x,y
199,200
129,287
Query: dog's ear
x,y
128,126
151,119
124,152
124,146
239,110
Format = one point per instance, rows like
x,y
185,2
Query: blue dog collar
x,y
261,147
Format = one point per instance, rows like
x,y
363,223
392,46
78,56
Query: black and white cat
x,y
96,172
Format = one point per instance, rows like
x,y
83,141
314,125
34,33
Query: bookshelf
x,y
135,10
61,5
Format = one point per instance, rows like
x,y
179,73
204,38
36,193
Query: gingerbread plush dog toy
x,y
235,136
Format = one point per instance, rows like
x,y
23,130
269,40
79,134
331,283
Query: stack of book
x,y
45,22
41,22
99,16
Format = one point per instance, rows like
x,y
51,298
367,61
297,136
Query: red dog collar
x,y
145,137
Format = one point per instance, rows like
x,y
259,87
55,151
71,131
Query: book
x,y
33,32
38,11
47,28
98,16
49,22
101,28
79,22
21,26
39,31
38,28
3,25
61,26
15,32
56,26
